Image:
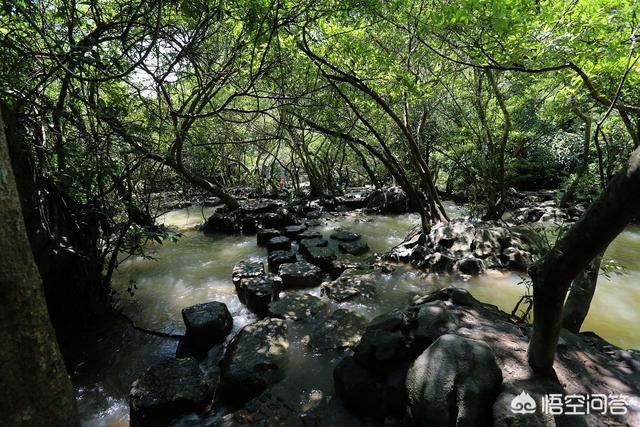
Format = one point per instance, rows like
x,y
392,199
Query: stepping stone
x,y
207,324
300,275
299,307
245,269
280,243
277,258
294,231
320,256
354,248
167,390
305,244
351,284
264,235
345,235
257,292
310,234
343,329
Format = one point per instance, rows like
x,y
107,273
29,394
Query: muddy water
x,y
198,268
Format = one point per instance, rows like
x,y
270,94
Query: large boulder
x,y
299,307
343,329
171,388
265,410
300,275
351,284
470,265
255,359
258,292
453,382
207,324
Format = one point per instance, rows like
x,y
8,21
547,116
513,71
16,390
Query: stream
x,y
198,268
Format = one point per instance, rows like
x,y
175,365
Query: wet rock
x,y
245,269
267,409
320,256
433,320
315,242
310,234
340,330
378,346
207,324
255,359
338,267
294,231
299,307
280,243
221,223
470,266
345,235
254,207
454,382
167,390
351,284
277,258
354,248
516,259
439,262
257,292
455,295
264,235
300,275
312,222
355,387
391,200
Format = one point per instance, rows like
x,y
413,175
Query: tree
x,y
36,389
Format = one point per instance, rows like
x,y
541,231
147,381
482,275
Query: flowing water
x,y
198,269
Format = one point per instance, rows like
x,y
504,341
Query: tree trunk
x,y
602,222
578,302
36,389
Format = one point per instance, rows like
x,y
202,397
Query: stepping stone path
x,y
354,248
257,292
169,389
345,235
277,258
294,231
280,243
207,324
263,236
299,307
305,244
310,234
300,275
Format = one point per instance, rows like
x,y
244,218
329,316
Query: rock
x,y
207,324
300,275
342,329
221,223
294,231
344,235
245,269
454,382
320,256
255,359
470,266
457,296
167,390
260,206
352,283
264,235
354,248
440,263
433,321
391,200
355,387
516,259
523,396
378,346
280,243
277,258
305,244
257,292
338,267
267,409
310,234
299,307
